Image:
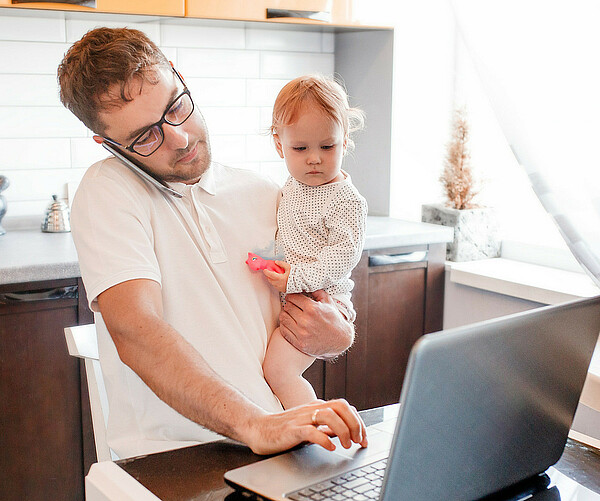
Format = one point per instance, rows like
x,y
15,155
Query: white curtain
x,y
539,63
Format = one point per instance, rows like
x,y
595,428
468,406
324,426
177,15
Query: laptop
x,y
482,407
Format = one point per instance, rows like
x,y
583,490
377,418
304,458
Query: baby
x,y
321,216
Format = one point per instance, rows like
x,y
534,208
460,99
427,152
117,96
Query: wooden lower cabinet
x,y
398,297
41,432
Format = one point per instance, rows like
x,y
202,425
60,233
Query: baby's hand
x,y
279,280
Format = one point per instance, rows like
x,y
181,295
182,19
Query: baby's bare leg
x,y
283,368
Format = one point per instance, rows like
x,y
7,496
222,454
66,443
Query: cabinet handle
x,y
85,3
387,259
39,295
315,15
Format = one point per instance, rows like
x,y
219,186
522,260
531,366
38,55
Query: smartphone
x,y
138,169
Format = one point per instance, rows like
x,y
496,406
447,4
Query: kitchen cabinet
x,y
335,12
398,297
317,12
42,432
154,7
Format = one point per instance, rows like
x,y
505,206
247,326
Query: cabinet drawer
x,y
295,11
154,7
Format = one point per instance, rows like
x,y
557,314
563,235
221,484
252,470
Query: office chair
x,y
83,343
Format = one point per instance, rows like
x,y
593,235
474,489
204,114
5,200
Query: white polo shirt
x,y
195,248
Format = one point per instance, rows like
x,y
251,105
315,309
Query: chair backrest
x,y
83,343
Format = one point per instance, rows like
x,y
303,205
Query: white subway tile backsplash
x,y
186,35
263,92
218,63
276,171
24,209
171,54
290,65
40,184
217,91
234,72
232,120
260,148
34,153
266,118
85,151
31,57
288,40
39,122
228,149
33,29
29,90
76,28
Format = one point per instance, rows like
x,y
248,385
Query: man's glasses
x,y
152,137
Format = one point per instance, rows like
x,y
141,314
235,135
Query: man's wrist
x,y
247,429
347,312
348,327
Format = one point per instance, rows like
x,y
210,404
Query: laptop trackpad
x,y
379,441
308,465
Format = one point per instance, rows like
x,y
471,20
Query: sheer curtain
x,y
539,63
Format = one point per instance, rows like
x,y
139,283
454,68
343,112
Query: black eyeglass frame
x,y
160,123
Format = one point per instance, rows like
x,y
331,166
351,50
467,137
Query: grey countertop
x,y
29,255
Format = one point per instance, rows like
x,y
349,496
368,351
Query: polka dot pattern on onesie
x,y
321,231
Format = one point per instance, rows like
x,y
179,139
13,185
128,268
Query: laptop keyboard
x,y
362,484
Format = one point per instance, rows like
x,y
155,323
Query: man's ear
x,y
278,145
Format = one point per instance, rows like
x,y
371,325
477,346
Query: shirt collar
x,y
207,183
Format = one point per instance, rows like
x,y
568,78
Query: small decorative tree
x,y
475,227
457,176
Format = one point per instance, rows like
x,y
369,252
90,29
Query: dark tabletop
x,y
196,473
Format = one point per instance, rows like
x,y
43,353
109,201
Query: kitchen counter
x,y
383,232
29,255
34,256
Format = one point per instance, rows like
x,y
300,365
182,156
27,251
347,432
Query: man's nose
x,y
175,136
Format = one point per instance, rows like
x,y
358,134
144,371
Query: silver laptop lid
x,y
487,405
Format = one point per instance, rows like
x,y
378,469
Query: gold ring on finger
x,y
314,417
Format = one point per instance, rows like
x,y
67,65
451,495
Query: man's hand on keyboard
x,y
314,422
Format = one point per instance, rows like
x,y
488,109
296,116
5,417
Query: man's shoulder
x,y
238,178
109,169
108,183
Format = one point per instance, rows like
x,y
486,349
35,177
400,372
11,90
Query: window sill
x,y
532,282
544,285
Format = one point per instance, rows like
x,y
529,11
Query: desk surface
x,y
196,473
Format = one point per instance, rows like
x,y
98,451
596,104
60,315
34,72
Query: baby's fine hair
x,y
325,93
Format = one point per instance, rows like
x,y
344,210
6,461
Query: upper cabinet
x,y
334,12
314,12
154,7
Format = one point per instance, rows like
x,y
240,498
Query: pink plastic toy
x,y
258,263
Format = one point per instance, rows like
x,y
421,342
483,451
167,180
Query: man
x,y
183,323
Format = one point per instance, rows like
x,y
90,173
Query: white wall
x,y
234,72
423,93
465,305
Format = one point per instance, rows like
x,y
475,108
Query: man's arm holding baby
x,y
314,325
179,375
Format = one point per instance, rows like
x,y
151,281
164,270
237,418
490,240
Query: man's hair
x,y
326,94
102,58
